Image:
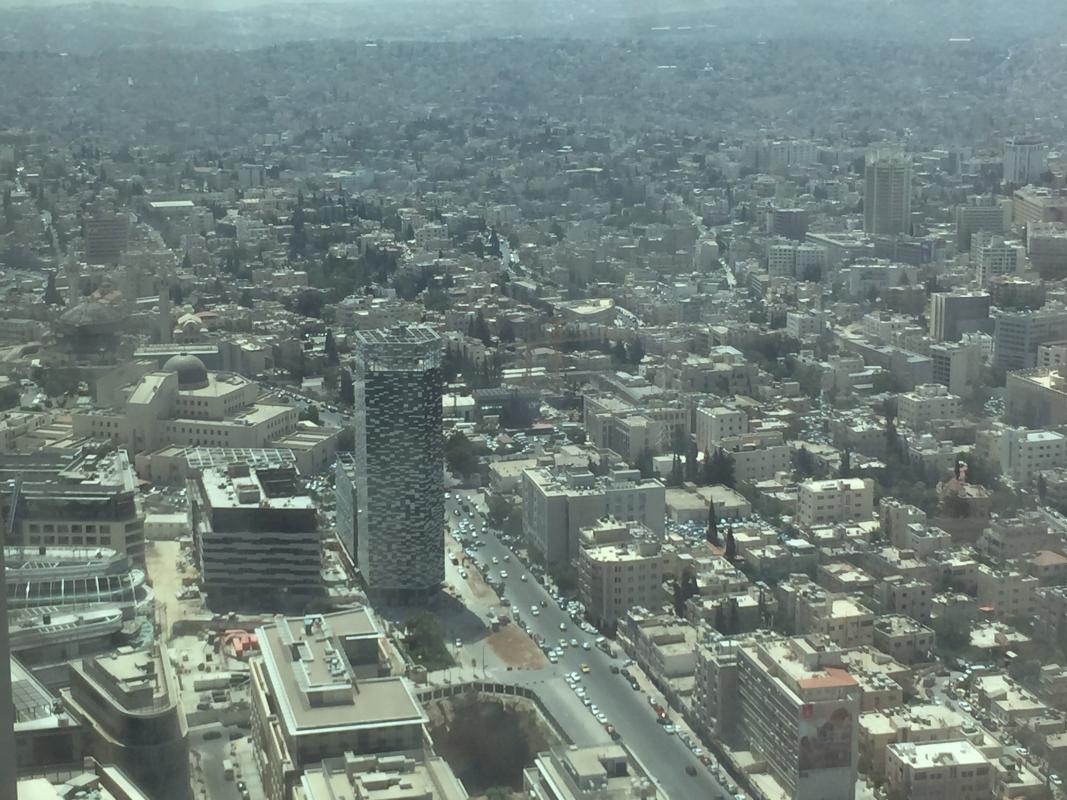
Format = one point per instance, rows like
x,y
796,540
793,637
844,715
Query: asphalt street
x,y
663,755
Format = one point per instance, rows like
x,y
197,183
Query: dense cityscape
x,y
599,404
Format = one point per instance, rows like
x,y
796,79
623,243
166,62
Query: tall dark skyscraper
x,y
399,461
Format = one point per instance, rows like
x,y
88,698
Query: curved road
x,y
663,756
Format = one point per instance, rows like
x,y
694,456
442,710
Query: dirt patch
x,y
165,576
516,649
487,740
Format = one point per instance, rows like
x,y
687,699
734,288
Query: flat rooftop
x,y
315,686
266,488
398,335
380,778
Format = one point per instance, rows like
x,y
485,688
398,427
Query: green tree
x,y
692,465
733,616
436,300
713,524
720,470
330,348
460,455
644,463
425,642
636,351
346,390
676,477
730,551
684,589
51,293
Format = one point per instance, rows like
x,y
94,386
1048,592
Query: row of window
x,y
75,541
65,528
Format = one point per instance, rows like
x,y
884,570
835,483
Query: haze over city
x,y
543,401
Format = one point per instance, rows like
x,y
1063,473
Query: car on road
x,y
522,578
535,612
585,669
602,718
670,730
563,626
503,574
458,643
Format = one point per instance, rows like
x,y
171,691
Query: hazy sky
x,y
195,4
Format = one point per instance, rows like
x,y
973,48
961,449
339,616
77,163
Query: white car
x,y
523,577
503,574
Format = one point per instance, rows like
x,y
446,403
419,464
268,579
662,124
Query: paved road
x,y
664,756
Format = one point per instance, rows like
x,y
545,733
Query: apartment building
x,y
994,256
715,699
903,638
837,500
916,724
1017,335
757,456
1025,453
1010,537
316,694
1037,397
898,594
955,770
619,566
557,504
925,404
799,711
1006,593
718,423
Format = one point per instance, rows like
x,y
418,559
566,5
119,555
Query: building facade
x,y
800,711
399,461
887,200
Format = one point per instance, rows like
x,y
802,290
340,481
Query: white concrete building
x,y
1024,453
836,500
954,770
926,403
1025,160
715,424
